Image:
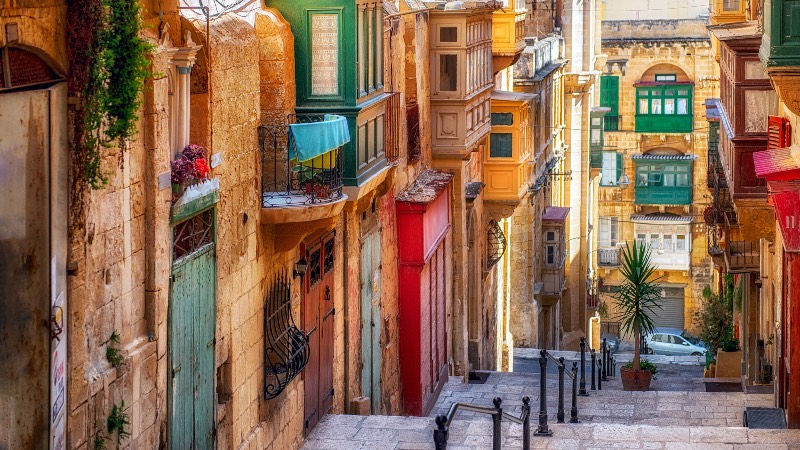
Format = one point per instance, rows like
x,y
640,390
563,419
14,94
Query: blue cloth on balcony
x,y
310,140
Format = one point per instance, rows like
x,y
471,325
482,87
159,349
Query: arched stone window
x,y
22,69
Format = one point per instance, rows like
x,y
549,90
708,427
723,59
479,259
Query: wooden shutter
x,y
619,167
778,132
609,93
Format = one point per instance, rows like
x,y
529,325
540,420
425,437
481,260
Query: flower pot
x,y
635,380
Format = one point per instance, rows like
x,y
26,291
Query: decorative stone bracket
x,y
786,81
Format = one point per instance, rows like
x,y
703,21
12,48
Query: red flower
x,y
201,168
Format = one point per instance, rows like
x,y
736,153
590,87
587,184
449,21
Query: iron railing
x,y
743,256
287,182
608,257
441,433
286,347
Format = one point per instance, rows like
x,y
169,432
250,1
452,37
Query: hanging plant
x,y
110,65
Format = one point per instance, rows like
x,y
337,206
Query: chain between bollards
x,y
583,392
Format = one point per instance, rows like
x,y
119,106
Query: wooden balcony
x,y
506,170
508,35
741,256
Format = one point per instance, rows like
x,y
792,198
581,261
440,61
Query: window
x,y
611,169
609,97
448,34
551,255
666,77
505,119
325,54
680,243
730,5
779,132
448,72
668,244
641,238
609,232
550,236
663,100
370,48
501,145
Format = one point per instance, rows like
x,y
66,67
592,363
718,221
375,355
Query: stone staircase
x,y
610,418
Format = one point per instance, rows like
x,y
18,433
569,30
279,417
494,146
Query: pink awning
x,y
778,163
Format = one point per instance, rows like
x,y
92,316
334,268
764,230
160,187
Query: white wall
x,y
654,9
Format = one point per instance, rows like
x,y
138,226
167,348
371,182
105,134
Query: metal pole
x,y
573,412
594,367
583,369
543,429
605,360
440,433
599,378
560,414
526,423
497,418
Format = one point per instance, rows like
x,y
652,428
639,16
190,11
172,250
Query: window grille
x,y
286,347
193,234
496,244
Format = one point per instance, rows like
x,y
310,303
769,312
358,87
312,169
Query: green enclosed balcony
x,y
664,107
663,179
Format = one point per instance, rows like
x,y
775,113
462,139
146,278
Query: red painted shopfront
x,y
423,227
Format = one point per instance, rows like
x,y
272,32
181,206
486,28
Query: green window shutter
x,y
619,167
609,93
501,145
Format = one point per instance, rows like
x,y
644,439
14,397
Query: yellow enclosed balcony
x,y
506,171
508,34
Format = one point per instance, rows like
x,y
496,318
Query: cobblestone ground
x,y
676,414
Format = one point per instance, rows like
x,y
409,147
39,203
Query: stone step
x,y
391,432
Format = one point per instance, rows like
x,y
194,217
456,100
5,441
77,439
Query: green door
x,y
191,335
371,319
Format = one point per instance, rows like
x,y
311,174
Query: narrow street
x,y
675,414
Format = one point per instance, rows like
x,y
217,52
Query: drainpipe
x,y
345,235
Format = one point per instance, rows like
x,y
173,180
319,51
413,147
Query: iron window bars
x,y
286,347
496,244
286,182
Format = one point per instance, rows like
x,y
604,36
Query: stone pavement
x,y
675,415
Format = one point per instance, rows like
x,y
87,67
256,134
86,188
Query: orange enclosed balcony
x,y
508,34
506,171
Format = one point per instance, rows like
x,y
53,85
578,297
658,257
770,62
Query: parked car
x,y
674,342
611,340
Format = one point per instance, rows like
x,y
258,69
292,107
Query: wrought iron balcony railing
x,y
285,181
608,257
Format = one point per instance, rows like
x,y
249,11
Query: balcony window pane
x,y
641,238
666,77
448,72
680,244
448,34
501,145
669,106
641,176
654,242
668,243
502,119
642,106
596,137
655,106
669,179
730,5
669,93
655,179
609,173
682,180
551,254
551,236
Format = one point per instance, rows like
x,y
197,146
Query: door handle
x,y
176,370
327,293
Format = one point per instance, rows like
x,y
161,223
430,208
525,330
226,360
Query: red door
x,y
318,314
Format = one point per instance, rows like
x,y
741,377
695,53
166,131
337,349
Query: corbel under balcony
x,y
786,81
579,82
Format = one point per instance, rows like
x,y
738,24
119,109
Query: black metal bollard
x,y
543,429
573,412
560,414
440,434
583,392
594,368
526,423
605,360
599,378
497,418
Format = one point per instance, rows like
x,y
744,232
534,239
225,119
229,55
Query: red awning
x,y
778,163
787,213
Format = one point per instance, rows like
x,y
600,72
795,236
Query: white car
x,y
674,342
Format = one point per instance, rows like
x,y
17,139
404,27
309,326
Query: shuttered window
x,y
609,232
778,132
609,97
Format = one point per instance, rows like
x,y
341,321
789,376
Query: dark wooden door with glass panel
x,y
318,314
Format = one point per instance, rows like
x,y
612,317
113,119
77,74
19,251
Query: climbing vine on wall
x,y
109,63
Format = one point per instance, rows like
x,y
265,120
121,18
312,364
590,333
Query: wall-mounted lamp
x,y
300,268
623,181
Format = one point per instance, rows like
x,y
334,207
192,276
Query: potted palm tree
x,y
637,299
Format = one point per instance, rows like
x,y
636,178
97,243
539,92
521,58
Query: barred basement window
x,y
496,241
286,350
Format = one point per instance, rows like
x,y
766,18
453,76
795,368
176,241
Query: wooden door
x,y
318,321
371,319
192,316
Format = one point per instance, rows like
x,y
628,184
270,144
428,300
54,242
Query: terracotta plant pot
x,y
635,380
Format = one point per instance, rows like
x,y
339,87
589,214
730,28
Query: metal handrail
x,y
560,363
441,433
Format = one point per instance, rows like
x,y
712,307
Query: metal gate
x,y
318,319
192,318
371,319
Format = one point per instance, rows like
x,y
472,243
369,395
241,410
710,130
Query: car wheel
x,y
697,354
